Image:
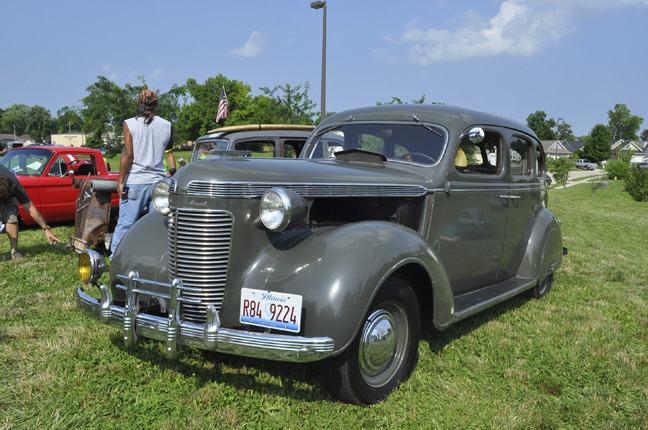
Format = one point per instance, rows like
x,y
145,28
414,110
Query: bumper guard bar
x,y
210,336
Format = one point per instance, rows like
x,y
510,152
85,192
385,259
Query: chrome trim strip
x,y
210,336
256,190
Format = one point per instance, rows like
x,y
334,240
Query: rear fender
x,y
544,250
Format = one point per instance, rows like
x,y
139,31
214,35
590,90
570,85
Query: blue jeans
x,y
130,209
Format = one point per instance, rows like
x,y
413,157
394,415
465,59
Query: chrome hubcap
x,y
382,344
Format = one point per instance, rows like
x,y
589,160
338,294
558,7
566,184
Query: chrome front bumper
x,y
210,336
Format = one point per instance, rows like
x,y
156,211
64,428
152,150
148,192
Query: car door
x,y
475,215
523,201
58,196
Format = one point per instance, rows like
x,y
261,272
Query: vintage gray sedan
x,y
390,215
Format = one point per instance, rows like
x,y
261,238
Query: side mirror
x,y
476,135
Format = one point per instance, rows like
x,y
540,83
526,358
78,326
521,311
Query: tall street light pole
x,y
322,5
558,134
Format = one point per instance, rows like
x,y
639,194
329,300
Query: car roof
x,y
261,130
60,149
454,117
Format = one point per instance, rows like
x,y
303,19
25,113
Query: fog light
x,y
91,266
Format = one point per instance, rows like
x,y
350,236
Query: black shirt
x,y
18,190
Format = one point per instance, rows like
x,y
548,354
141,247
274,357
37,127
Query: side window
x,y
522,160
259,148
480,158
292,148
58,168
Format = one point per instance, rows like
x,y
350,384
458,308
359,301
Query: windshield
x,y
412,143
202,148
27,162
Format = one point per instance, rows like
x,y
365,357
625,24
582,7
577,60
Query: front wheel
x,y
384,351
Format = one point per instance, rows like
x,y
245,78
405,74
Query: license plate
x,y
270,309
79,245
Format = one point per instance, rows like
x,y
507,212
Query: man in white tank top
x,y
146,138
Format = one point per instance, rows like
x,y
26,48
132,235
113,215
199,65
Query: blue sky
x,y
573,59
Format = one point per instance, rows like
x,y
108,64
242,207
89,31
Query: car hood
x,y
278,171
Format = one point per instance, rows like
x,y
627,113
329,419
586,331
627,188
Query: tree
x,y
636,184
542,127
565,132
69,119
289,105
559,169
597,145
105,108
622,124
40,124
644,134
398,101
15,118
198,117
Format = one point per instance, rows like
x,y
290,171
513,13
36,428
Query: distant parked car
x,y
585,164
270,140
47,173
14,144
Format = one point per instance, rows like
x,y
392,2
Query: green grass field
x,y
577,359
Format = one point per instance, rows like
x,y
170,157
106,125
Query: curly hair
x,y
147,103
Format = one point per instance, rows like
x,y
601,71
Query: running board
x,y
473,302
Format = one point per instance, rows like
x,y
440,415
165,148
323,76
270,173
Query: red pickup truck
x,y
48,172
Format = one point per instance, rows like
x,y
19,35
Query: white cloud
x,y
252,47
520,28
156,73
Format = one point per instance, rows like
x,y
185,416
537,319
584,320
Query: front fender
x,y
339,270
143,248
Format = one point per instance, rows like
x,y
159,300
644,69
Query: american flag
x,y
223,106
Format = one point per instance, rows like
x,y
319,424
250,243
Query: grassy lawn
x,y
577,359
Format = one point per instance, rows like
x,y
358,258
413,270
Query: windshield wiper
x,y
435,131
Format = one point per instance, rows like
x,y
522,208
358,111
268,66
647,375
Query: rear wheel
x,y
384,351
542,288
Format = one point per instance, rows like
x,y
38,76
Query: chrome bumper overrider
x,y
210,336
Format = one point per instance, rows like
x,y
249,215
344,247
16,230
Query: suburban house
x,y
638,148
561,148
565,148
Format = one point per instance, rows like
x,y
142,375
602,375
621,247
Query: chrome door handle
x,y
511,197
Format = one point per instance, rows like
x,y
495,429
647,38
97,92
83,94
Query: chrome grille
x,y
255,190
199,246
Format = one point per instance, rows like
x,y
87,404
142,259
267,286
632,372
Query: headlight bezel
x,y
91,266
280,209
160,197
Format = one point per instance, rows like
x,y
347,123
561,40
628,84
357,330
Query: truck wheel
x,y
384,351
542,288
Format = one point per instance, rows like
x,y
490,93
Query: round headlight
x,y
160,197
280,208
91,266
